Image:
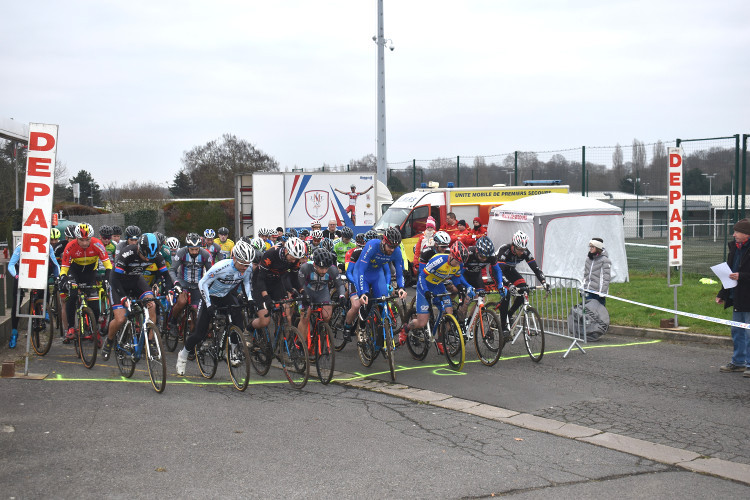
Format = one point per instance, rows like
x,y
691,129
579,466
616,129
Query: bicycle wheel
x,y
324,361
366,345
390,347
416,340
206,353
294,359
53,308
41,331
488,337
533,334
238,358
260,351
171,334
125,350
156,361
87,332
453,342
186,328
338,318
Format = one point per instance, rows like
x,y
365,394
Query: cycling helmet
x,y
360,239
346,232
148,244
459,252
54,233
132,232
243,252
223,230
441,239
84,230
295,247
173,243
70,231
326,244
193,240
392,237
371,235
485,248
105,231
293,232
160,238
116,230
209,233
317,234
258,244
322,258
520,240
304,233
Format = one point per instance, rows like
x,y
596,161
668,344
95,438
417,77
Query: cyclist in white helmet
x,y
277,277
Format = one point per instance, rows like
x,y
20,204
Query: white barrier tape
x,y
644,245
710,319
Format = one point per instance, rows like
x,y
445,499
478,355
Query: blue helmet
x,y
148,244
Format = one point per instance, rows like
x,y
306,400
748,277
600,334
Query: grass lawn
x,y
651,288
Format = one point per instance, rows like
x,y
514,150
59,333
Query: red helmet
x,y
459,252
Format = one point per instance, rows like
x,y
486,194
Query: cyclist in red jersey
x,y
353,195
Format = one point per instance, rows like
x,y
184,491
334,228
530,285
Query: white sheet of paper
x,y
722,271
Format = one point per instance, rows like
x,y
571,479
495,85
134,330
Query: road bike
x,y
320,343
131,345
224,341
377,334
87,330
185,321
442,331
286,344
528,323
483,327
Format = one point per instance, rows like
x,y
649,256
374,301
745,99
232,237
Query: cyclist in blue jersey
x,y
433,276
369,270
216,287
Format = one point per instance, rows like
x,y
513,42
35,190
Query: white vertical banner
x,y
674,185
37,205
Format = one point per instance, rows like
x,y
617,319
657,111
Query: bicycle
x,y
86,340
484,328
42,330
419,339
186,320
378,328
54,308
224,341
528,322
287,346
321,346
130,344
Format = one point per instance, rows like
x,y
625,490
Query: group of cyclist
x,y
214,272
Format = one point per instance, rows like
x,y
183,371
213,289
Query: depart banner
x,y
37,205
674,183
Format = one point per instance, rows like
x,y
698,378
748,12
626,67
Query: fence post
x,y
583,170
737,176
414,175
744,169
458,171
515,181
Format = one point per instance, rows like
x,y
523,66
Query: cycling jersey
x,y
369,270
215,251
439,270
317,286
275,269
225,248
188,270
222,278
341,248
81,260
473,269
129,270
508,260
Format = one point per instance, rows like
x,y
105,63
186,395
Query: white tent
x,y
560,227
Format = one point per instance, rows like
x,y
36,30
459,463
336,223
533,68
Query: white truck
x,y
296,200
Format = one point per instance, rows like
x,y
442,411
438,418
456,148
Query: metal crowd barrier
x,y
555,308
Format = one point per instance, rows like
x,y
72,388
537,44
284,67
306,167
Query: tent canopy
x,y
560,227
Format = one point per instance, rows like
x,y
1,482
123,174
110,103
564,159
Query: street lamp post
x,y
381,42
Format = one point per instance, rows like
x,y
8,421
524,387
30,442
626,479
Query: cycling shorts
x,y
137,288
423,307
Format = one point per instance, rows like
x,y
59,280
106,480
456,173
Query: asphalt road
x,y
89,433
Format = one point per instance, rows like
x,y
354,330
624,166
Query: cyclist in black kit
x,y
509,256
480,256
277,277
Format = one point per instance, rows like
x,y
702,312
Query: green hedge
x,y
182,217
146,219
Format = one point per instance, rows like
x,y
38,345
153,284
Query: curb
x,y
669,455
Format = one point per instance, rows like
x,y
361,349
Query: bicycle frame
x,y
138,317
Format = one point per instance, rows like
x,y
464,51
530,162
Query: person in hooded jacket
x,y
597,271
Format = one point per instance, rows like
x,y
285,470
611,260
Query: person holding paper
x,y
738,259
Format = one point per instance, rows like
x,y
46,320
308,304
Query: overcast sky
x,y
134,84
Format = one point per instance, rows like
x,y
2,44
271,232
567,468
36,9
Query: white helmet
x,y
258,244
243,252
441,239
172,243
520,240
295,247
317,234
